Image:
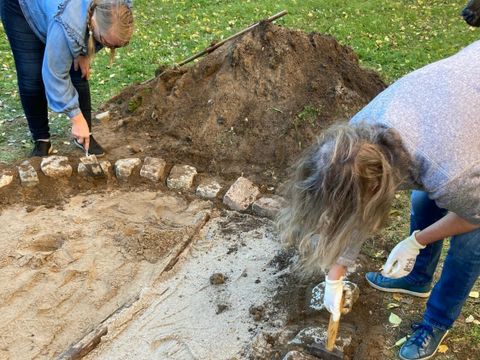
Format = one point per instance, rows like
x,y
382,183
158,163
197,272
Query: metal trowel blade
x,y
93,166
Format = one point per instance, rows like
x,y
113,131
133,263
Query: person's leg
x,y
28,53
460,271
424,212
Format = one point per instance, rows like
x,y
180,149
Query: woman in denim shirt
x,y
52,43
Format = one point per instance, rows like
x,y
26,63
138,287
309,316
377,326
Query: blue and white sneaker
x,y
401,285
423,343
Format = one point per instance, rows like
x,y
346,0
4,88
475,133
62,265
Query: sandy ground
x,y
63,271
184,316
139,264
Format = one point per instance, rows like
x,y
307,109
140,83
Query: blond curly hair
x,y
342,187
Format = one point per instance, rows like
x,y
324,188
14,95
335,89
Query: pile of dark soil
x,y
249,107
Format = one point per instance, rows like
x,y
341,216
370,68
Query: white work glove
x,y
401,260
333,297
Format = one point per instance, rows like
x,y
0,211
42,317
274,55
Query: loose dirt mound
x,y
251,106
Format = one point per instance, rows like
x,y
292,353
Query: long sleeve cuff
x,y
345,261
72,113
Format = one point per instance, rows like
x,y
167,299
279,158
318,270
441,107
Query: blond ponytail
x,y
91,39
111,16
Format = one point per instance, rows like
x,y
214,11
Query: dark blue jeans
x,y
460,270
28,52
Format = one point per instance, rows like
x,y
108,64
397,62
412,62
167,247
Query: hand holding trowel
x,y
325,296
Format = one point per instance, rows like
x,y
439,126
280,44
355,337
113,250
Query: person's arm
x,y
61,94
402,258
450,225
336,272
332,298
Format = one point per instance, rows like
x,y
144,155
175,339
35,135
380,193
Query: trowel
x,y
92,165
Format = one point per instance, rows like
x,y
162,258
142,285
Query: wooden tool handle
x,y
332,333
333,329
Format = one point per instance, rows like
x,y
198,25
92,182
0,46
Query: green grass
x,y
392,37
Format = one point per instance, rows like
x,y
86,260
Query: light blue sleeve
x,y
61,94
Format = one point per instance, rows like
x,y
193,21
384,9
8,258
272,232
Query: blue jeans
x,y
460,270
28,52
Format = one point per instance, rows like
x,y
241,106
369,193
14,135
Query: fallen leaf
x,y
442,349
392,306
469,319
394,319
474,294
401,341
476,322
397,297
407,300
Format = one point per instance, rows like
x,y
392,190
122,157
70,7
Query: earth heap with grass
x,y
250,107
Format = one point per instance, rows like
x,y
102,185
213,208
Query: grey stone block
x,y
153,169
125,167
28,175
241,194
56,166
208,189
268,206
181,177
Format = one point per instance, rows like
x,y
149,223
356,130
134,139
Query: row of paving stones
x,y
241,195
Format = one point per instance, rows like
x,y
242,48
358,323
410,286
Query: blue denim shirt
x,y
62,26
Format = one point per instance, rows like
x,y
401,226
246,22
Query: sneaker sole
x,y
402,291
430,356
83,149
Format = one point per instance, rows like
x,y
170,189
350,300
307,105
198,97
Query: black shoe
x,y
41,148
93,149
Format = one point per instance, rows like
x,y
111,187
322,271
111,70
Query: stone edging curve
x,y
241,195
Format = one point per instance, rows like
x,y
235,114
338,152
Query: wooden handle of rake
x,y
333,328
216,46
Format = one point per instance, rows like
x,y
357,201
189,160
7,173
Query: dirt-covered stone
x,y
181,177
56,166
209,189
103,116
241,194
268,206
28,175
153,168
5,179
125,167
